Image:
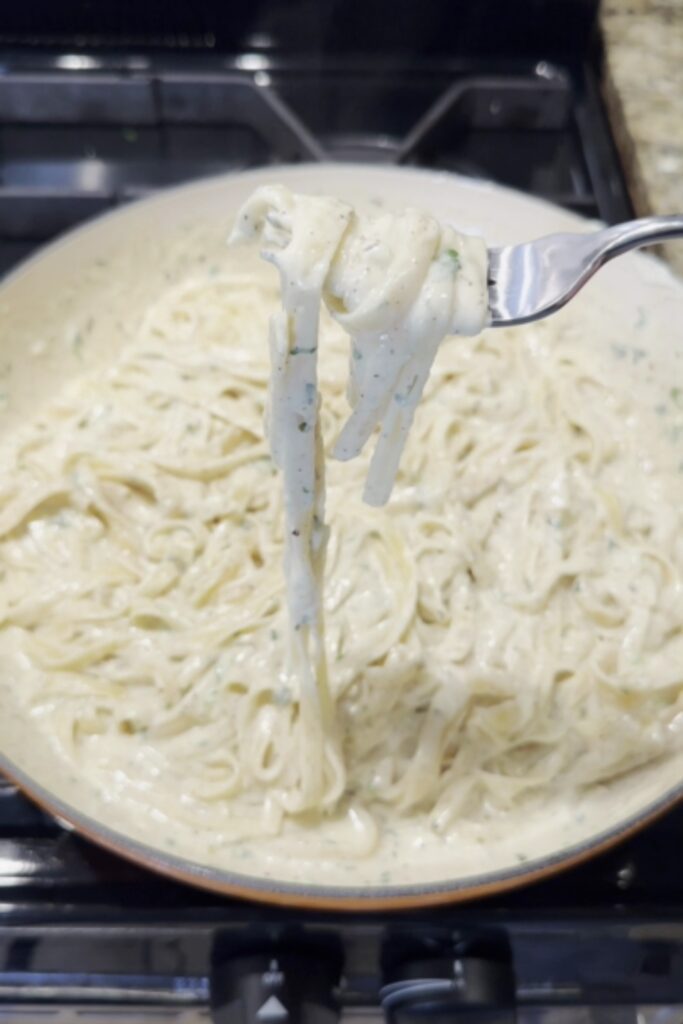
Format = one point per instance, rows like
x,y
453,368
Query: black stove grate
x,y
82,134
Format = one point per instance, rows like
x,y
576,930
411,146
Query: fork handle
x,y
636,233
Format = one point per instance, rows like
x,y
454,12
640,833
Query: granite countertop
x,y
643,84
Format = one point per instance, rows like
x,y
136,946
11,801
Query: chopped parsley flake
x,y
454,257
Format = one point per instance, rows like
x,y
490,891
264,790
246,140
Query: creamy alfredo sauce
x,y
504,636
397,284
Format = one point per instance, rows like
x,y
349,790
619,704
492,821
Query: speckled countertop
x,y
643,86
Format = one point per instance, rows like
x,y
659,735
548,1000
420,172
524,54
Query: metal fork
x,y
533,280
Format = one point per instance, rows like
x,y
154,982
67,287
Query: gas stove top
x,y
85,936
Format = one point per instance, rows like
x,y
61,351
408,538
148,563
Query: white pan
x,y
40,305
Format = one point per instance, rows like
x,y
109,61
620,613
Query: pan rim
x,y
296,894
335,897
436,177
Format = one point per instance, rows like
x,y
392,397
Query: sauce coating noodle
x,y
505,632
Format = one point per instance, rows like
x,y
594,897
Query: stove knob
x,y
276,986
446,989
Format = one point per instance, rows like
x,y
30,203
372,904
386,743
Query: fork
x,y
535,279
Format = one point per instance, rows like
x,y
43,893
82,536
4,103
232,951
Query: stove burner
x,y
468,976
287,981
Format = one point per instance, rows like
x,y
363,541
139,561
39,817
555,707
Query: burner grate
x,y
80,135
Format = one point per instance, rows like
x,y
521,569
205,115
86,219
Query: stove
x,y
86,124
83,133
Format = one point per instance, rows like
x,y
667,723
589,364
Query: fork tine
x,y
496,314
534,279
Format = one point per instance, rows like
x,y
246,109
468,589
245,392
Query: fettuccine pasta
x,y
505,632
